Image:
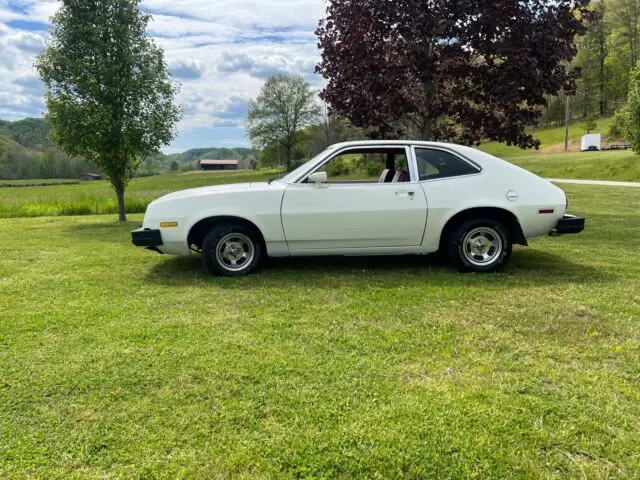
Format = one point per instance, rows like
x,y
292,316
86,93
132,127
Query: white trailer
x,y
590,142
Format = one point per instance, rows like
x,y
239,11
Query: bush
x,y
374,169
338,167
616,129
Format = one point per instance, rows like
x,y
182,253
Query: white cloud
x,y
220,52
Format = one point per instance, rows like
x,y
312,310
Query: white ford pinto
x,y
365,198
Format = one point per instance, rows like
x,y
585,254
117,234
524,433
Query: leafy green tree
x,y
284,107
616,128
110,95
590,124
625,17
629,117
593,51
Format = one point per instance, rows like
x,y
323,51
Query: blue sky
x,y
220,51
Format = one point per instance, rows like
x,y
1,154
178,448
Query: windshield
x,y
292,176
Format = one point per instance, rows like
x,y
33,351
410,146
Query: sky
x,y
220,52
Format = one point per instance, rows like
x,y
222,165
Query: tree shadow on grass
x,y
108,231
526,267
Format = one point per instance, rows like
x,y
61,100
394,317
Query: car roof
x,y
395,142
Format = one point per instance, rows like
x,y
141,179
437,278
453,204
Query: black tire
x,y
225,242
490,235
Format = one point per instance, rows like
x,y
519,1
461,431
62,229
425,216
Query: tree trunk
x,y
289,154
426,129
122,210
603,102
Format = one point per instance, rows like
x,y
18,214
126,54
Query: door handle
x,y
405,193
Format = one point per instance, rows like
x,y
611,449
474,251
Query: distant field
x,y
117,362
98,198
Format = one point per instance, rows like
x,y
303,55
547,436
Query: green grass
x,y
610,165
548,137
98,198
119,363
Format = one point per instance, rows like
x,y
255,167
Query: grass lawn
x,y
120,363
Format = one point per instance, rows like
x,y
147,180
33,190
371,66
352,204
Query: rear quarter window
x,y
434,164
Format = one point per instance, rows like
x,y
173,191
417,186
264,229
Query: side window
x,y
434,164
368,165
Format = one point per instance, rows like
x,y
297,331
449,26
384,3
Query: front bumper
x,y
145,237
569,224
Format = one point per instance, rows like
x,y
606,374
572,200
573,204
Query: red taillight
x,y
546,211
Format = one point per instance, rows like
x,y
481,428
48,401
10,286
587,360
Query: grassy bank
x,y
551,139
610,165
120,363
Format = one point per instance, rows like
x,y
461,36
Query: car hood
x,y
213,190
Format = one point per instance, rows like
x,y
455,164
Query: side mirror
x,y
318,178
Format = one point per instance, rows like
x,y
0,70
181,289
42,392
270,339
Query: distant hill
x,y
30,132
191,156
26,152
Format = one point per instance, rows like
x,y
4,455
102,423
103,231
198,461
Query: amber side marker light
x,y
169,224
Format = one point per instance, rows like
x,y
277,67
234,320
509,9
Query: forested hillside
x,y
606,56
27,153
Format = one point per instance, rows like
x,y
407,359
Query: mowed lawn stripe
x,y
120,363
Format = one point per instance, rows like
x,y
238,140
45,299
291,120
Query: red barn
x,y
219,164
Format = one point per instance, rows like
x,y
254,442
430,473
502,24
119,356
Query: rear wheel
x,y
232,250
480,245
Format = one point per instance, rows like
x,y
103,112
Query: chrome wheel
x,y
482,246
235,252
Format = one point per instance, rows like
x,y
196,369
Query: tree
x,y
593,51
328,131
626,17
284,107
590,124
629,117
444,70
110,96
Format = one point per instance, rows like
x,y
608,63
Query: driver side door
x,y
371,200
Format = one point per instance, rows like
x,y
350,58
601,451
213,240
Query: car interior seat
x,y
401,176
386,176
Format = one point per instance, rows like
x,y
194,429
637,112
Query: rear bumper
x,y
569,224
144,237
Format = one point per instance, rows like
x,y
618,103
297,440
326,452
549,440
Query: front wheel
x,y
481,245
232,250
